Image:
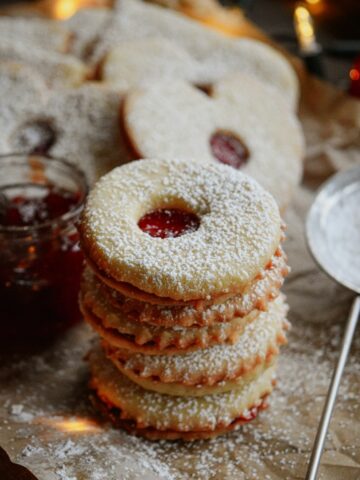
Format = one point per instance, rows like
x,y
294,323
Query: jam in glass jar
x,y
40,259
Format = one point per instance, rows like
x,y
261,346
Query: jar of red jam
x,y
40,259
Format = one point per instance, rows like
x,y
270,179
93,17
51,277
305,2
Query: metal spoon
x,y
333,234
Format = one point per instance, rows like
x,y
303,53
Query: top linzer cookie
x,y
179,230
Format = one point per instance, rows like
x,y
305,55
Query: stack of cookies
x,y
184,268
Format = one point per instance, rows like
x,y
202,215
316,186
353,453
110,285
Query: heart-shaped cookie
x,y
243,124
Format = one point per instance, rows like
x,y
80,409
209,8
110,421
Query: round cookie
x,y
216,55
182,390
86,25
241,124
239,228
257,345
22,91
264,288
123,332
79,124
86,120
232,57
158,341
57,69
35,32
140,62
174,417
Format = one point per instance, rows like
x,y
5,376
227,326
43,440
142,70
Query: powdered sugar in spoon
x,y
333,234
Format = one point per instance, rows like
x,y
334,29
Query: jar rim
x,y
77,176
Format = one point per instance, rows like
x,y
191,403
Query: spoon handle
x,y
332,392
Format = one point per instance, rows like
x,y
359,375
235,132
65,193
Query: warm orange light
x,y
213,22
229,21
71,425
63,9
354,74
304,28
313,2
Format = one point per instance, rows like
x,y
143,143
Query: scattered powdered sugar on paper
x,y
98,457
18,413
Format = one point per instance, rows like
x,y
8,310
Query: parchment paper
x,y
48,425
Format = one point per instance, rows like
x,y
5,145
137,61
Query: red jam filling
x,y
228,149
39,270
168,222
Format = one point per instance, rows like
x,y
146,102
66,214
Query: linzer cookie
x,y
37,32
159,416
79,124
256,296
213,53
120,329
257,345
21,89
86,26
227,229
57,69
182,286
140,62
242,124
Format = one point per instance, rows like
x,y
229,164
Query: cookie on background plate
x,y
86,25
242,123
50,35
214,53
57,69
143,61
80,124
22,90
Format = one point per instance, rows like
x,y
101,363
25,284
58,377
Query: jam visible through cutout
x,y
229,149
168,223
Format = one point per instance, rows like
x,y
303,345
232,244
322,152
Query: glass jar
x,y
40,258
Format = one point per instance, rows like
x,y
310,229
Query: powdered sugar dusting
x,y
57,69
85,120
168,412
266,126
114,324
239,230
222,361
276,445
214,54
50,35
255,296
